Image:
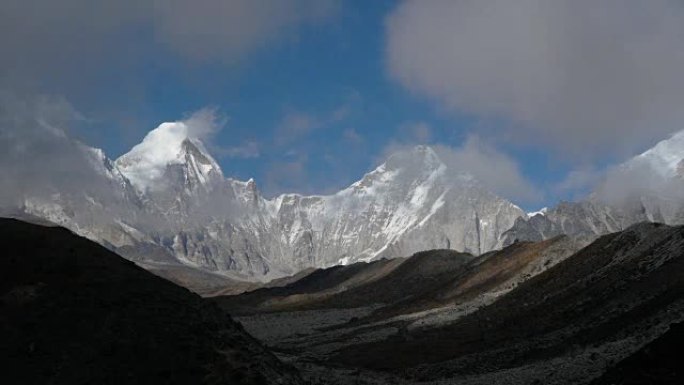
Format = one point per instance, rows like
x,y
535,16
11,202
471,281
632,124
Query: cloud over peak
x,y
586,77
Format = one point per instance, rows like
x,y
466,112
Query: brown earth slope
x,y
71,312
357,285
624,285
425,281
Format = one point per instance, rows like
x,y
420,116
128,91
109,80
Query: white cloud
x,y
204,123
38,157
46,39
579,182
494,169
586,77
630,182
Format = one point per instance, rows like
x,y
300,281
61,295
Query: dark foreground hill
x,y
533,313
659,362
71,312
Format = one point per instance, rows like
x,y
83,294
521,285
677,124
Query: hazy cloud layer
x,y
247,150
37,156
71,38
496,170
227,30
586,77
628,183
416,132
579,182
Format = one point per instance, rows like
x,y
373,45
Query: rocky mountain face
x,y
648,187
167,202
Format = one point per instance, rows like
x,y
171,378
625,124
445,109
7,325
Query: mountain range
x,y
167,205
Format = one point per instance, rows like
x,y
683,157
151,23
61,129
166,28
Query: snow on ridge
x,y
541,212
146,162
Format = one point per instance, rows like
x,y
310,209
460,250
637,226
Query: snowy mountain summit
x,y
167,149
166,201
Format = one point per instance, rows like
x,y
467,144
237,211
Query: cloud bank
x,y
228,30
583,76
496,170
44,39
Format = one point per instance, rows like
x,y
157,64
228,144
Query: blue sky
x,y
315,93
329,77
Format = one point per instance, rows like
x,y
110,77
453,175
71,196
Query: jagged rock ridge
x,y
168,202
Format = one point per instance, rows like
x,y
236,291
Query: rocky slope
x,y
656,363
166,203
531,313
74,312
609,298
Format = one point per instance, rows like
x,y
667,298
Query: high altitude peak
x,y
421,156
664,158
169,144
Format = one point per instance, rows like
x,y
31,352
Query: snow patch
x,y
541,212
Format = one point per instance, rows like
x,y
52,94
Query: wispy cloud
x,y
247,150
294,126
493,168
353,137
416,132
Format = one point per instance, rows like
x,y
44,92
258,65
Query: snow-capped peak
x,y
666,157
168,144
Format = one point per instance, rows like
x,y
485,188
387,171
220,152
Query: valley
x,y
560,311
587,310
328,192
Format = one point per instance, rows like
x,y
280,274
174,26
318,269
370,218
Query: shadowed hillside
x,y
360,284
623,286
71,312
426,280
659,362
